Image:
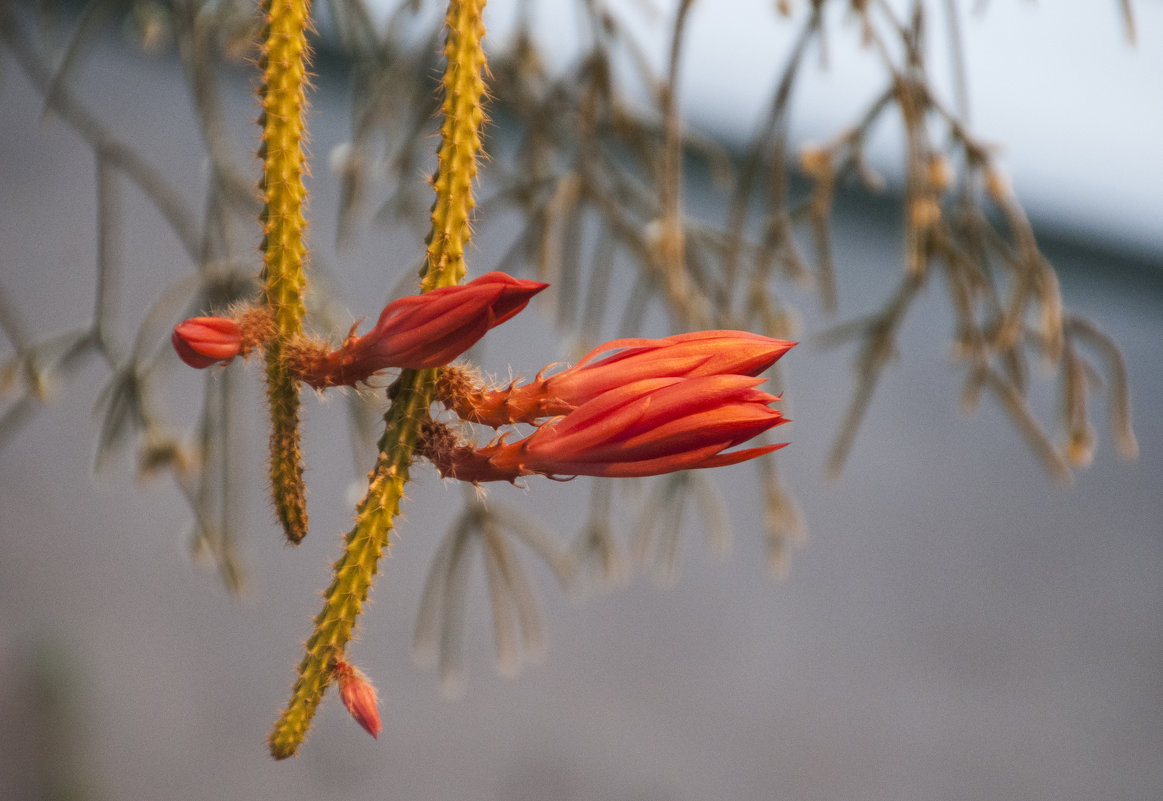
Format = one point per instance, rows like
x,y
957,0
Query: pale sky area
x,y
1075,109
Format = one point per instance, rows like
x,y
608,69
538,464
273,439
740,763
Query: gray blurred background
x,y
955,626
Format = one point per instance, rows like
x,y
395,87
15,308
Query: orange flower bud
x,y
421,331
202,341
620,362
359,696
645,428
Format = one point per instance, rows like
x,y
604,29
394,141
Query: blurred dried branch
x,y
517,629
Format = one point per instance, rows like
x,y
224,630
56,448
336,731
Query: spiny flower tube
x,y
417,332
359,696
645,428
700,353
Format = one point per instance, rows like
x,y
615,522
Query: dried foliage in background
x,y
584,160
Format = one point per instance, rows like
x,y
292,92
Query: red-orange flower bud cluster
x,y
617,363
630,407
644,428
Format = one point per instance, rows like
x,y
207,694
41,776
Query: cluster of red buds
x,y
416,332
644,428
631,407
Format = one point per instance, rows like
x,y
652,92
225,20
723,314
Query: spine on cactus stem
x,y
412,394
283,61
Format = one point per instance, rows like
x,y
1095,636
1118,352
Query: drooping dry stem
x,y
283,93
114,151
413,392
670,240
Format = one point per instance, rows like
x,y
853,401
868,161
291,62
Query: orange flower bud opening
x,y
620,362
645,428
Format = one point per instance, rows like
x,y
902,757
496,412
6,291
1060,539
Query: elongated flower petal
x,y
203,341
359,696
648,427
616,363
420,331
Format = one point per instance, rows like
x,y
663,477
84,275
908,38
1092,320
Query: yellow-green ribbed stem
x,y
284,64
460,144
355,569
412,393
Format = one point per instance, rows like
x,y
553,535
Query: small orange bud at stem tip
x,y
359,696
